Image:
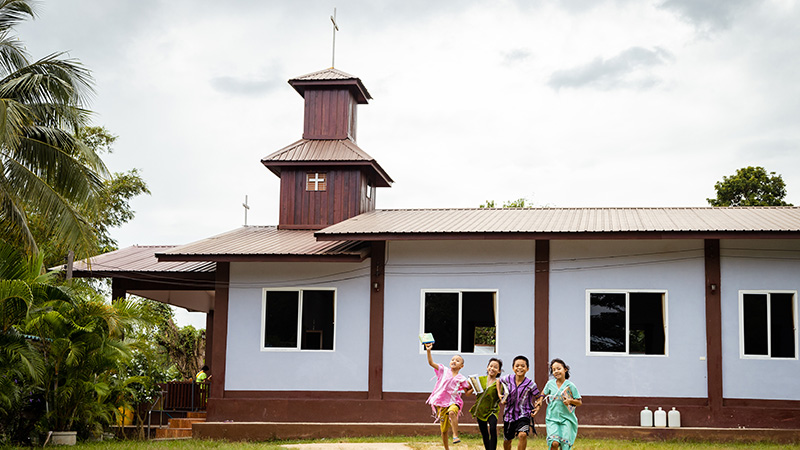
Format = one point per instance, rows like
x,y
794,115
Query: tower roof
x,y
327,152
328,78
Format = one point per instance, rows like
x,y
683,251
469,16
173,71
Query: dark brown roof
x,y
139,258
566,222
265,243
313,152
331,78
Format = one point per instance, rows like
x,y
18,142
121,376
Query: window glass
x,y
281,319
755,324
646,323
307,314
782,314
631,323
317,325
441,319
607,322
461,321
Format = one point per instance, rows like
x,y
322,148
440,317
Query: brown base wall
x,y
270,431
411,408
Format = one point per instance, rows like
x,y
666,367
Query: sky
x,y
572,103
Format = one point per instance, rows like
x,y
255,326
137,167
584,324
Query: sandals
x,y
456,440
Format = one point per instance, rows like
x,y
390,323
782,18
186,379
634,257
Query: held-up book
x,y
475,382
426,338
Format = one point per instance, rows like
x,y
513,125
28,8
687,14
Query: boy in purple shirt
x,y
519,395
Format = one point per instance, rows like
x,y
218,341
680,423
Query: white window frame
x,y
627,293
299,318
768,293
460,324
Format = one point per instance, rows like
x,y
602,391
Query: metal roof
x,y
325,74
311,152
139,258
570,222
331,77
255,243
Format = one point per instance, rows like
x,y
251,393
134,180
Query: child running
x,y
445,400
562,397
485,408
519,394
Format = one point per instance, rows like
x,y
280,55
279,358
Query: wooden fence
x,y
184,395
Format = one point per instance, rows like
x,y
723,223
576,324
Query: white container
x,y
660,418
646,418
674,418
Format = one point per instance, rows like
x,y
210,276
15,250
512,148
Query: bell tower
x,y
325,177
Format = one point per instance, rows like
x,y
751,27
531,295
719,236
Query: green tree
x,y
518,203
44,166
750,186
111,210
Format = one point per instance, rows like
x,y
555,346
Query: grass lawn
x,y
469,442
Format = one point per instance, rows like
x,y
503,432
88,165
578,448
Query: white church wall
x,y
674,267
251,367
506,267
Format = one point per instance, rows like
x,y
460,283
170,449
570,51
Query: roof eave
x,y
604,235
382,179
349,257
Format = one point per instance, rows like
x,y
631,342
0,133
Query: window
x,y
767,324
316,181
627,322
299,319
461,321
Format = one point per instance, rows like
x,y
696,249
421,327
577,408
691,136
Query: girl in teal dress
x,y
562,397
485,408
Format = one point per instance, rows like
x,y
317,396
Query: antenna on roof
x,y
246,207
335,29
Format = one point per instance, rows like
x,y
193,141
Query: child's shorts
x,y
521,425
443,415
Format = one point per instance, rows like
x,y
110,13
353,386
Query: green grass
x,y
469,442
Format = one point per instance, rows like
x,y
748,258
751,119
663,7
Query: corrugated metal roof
x,y
312,151
566,220
140,258
265,241
325,74
319,150
331,77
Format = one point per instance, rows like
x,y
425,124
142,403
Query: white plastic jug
x,y
646,418
660,418
674,418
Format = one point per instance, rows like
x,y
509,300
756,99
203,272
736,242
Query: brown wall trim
x,y
220,334
376,291
541,312
713,326
399,407
307,395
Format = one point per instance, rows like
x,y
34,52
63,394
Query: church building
x,y
317,318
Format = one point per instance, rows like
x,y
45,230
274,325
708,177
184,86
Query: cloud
x,y
515,56
241,86
707,15
628,69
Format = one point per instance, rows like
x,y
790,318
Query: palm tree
x,y
44,168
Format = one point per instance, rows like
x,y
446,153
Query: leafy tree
x,y
44,167
112,209
518,203
750,186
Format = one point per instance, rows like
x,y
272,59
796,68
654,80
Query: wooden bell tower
x,y
325,177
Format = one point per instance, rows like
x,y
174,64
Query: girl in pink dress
x,y
445,400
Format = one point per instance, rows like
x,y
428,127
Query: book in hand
x,y
475,382
426,338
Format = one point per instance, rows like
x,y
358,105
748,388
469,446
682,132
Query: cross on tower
x,y
317,179
335,29
246,207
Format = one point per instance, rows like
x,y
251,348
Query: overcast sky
x,y
567,104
